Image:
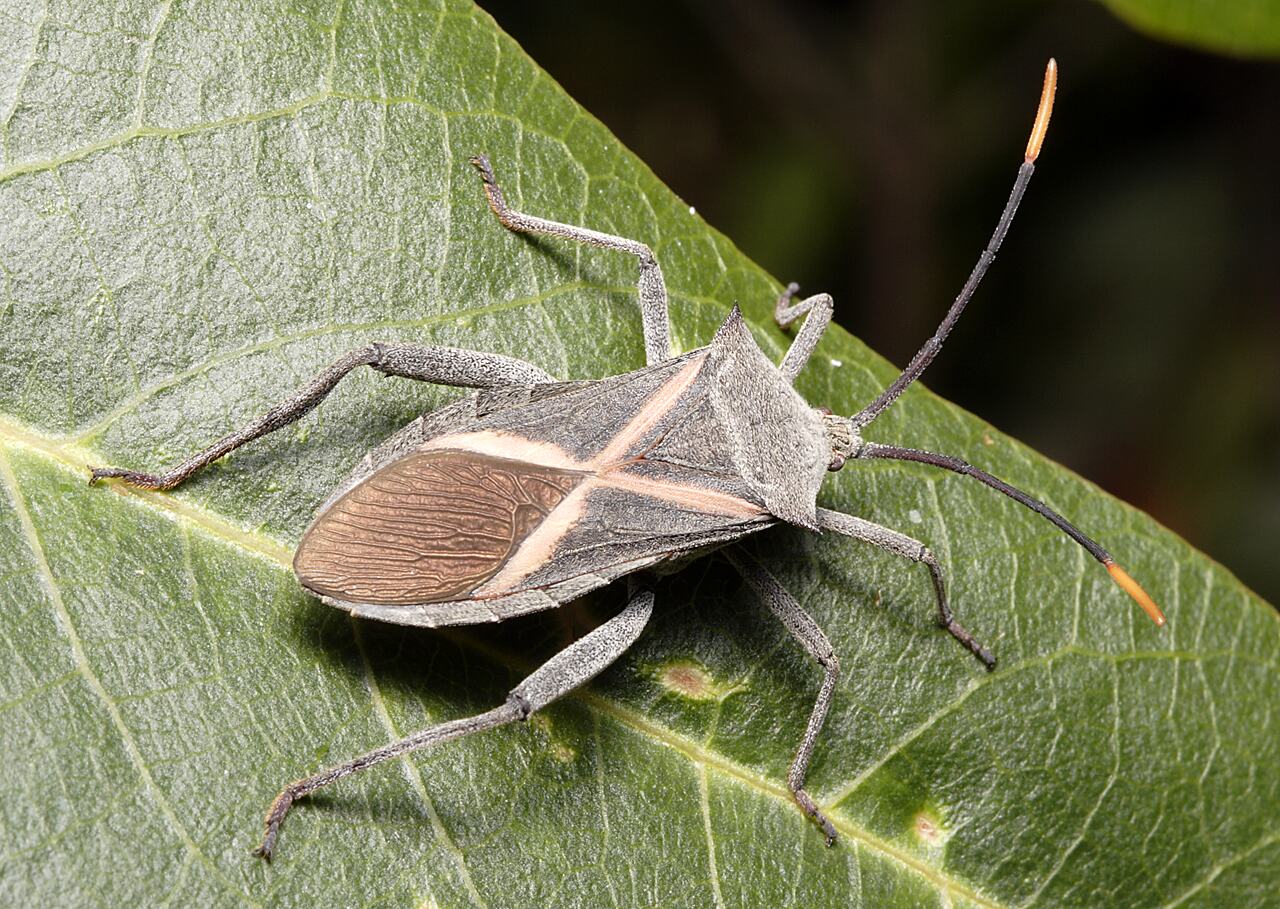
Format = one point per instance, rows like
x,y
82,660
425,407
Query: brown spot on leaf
x,y
693,681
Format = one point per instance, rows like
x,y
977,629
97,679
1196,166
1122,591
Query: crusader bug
x,y
531,491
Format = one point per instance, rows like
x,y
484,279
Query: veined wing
x,y
430,527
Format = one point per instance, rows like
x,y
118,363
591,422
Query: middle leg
x,y
805,630
653,289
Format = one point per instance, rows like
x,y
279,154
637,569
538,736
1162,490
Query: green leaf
x,y
1244,28
202,205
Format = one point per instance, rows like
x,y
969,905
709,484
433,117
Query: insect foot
x,y
132,477
810,808
275,817
443,732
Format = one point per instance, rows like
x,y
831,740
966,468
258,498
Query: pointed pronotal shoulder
x,y
775,440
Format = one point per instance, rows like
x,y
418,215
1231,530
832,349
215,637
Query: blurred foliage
x,y
1244,27
1128,330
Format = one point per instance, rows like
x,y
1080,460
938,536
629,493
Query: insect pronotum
x,y
530,491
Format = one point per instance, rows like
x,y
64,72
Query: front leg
x,y
908,548
818,308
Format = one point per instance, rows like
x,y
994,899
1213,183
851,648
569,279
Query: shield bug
x,y
529,492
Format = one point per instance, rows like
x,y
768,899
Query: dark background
x,y
1129,329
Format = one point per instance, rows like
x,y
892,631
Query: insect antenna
x,y
947,462
925,355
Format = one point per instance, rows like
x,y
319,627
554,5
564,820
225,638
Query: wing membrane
x,y
428,528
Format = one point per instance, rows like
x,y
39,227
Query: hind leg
x,y
571,667
439,365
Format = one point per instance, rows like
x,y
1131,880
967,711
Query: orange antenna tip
x,y
1140,596
1043,112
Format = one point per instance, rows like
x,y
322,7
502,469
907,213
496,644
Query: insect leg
x,y
902,545
571,667
818,307
653,290
440,365
805,630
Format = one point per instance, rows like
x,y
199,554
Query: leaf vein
x,y
74,458
1212,874
1102,795
81,660
704,803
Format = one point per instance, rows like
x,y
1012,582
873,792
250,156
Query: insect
x,y
529,492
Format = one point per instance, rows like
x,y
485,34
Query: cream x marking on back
x,y
601,471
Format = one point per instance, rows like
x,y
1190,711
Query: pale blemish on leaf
x,y
558,749
929,829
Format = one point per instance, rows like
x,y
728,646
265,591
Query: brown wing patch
x,y
428,528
